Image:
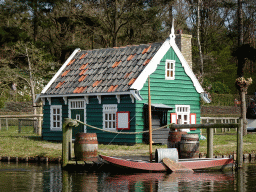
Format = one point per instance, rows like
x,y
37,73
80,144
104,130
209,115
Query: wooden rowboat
x,y
194,164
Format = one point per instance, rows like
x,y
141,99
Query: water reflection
x,y
33,177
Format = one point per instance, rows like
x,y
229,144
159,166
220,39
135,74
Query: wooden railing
x,y
220,120
38,118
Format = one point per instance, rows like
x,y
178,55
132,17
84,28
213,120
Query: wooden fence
x,y
4,119
220,120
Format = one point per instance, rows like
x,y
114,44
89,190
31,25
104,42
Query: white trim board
x,y
60,70
152,65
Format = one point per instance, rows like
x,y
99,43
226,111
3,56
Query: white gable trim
x,y
60,70
152,65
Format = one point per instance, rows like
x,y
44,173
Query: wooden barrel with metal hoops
x,y
189,146
86,147
174,139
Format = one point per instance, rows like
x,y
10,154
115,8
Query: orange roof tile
x,y
59,84
75,91
96,83
146,50
83,71
114,88
82,78
84,66
83,89
83,56
127,75
130,57
147,61
110,88
72,61
132,81
65,73
79,89
116,64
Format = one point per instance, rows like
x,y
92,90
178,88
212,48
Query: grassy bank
x,y
26,144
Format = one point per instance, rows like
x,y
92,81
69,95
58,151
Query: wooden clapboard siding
x,y
47,134
94,112
180,91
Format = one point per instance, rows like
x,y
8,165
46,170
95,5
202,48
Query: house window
x,y
56,117
109,117
170,69
183,114
77,104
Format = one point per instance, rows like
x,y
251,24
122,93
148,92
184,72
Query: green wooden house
x,y
107,88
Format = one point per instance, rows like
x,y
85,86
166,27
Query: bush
x,y
220,88
2,102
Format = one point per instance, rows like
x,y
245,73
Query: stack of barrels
x,y
187,144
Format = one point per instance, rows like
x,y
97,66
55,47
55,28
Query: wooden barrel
x,y
166,153
86,147
189,146
174,139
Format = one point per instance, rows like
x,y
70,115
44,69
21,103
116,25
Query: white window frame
x,y
109,117
182,111
168,70
56,121
77,104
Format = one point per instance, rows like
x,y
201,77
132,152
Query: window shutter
x,y
173,118
192,120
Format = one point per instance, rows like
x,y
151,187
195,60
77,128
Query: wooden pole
x,y
65,146
240,145
149,122
210,143
67,139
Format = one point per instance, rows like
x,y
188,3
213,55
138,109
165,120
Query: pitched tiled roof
x,y
103,70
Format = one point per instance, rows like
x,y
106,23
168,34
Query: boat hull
x,y
199,163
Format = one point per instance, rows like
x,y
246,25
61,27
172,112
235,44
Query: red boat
x,y
197,163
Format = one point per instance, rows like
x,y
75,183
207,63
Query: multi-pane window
x,y
183,113
109,117
56,117
170,69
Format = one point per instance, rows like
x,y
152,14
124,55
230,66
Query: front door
x,y
77,114
77,111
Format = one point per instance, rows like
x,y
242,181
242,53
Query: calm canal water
x,y
33,177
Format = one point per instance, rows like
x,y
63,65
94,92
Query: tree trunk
x,y
243,111
198,38
32,88
241,61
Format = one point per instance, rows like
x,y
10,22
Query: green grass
x,y
27,144
225,143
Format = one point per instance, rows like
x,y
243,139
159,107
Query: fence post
x,y
0,125
19,120
210,142
6,122
215,130
239,156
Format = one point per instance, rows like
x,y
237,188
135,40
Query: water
x,y
34,177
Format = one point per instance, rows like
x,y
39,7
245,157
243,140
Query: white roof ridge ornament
x,y
172,35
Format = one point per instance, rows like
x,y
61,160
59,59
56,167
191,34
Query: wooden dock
x,y
69,123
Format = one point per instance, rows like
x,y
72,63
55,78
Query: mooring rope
x,y
125,133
